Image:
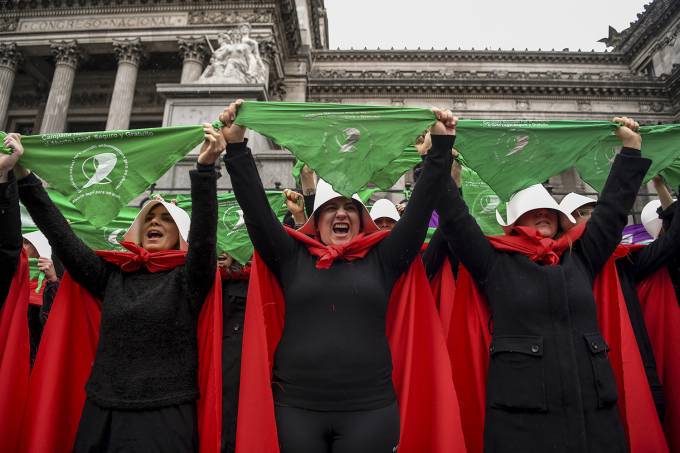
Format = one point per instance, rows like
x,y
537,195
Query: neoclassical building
x,y
81,65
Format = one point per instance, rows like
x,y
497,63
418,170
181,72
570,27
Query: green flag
x,y
97,238
672,174
232,236
661,144
512,155
345,144
481,201
388,176
100,172
35,273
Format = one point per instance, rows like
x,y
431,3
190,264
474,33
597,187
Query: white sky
x,y
521,24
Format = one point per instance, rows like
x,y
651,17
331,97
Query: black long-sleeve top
x,y
673,263
333,353
10,239
550,386
147,355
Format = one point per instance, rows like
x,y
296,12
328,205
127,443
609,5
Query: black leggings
x,y
306,431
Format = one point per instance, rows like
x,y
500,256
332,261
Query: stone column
x,y
129,54
193,51
10,58
67,55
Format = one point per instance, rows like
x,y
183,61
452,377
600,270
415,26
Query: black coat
x,y
10,237
550,386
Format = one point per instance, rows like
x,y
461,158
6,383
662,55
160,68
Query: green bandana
x,y
346,145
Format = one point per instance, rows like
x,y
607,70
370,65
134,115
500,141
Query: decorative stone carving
x,y
128,51
397,102
522,105
585,106
459,105
236,60
8,23
66,53
277,90
10,56
268,50
193,48
230,17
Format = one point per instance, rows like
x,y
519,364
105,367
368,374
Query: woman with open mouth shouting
x,y
133,369
317,372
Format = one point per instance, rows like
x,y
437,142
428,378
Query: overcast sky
x,y
521,24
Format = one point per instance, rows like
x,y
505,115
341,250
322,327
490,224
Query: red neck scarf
x,y
529,242
469,342
429,413
69,344
14,357
355,249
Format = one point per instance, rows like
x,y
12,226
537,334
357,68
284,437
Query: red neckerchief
x,y
69,343
35,298
355,249
138,257
469,341
429,414
14,357
528,241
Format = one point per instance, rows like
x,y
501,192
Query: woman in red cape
x,y
119,369
14,296
351,362
546,382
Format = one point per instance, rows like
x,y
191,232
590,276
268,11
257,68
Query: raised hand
x,y
46,266
9,161
446,122
627,132
213,145
232,133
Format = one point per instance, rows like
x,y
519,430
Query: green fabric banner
x,y
481,201
102,238
100,172
512,155
232,235
659,143
347,145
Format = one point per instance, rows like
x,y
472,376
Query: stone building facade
x,y
79,65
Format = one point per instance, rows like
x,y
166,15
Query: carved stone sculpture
x,y
236,60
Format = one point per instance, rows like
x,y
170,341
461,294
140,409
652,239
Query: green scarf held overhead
x,y
512,155
103,238
35,273
481,201
100,172
232,236
660,143
346,145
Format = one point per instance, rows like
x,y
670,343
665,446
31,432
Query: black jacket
x,y
10,237
550,387
147,355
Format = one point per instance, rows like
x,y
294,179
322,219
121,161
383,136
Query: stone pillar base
x,y
187,104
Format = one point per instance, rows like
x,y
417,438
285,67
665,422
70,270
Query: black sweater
x,y
673,263
10,238
333,354
147,352
550,386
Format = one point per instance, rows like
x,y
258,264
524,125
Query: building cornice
x,y
649,24
496,56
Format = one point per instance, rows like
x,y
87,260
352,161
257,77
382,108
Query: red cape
x,y
469,342
14,357
662,317
429,414
69,344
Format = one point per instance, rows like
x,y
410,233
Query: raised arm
x,y
398,250
202,255
10,225
82,263
463,234
603,230
647,260
437,251
269,238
